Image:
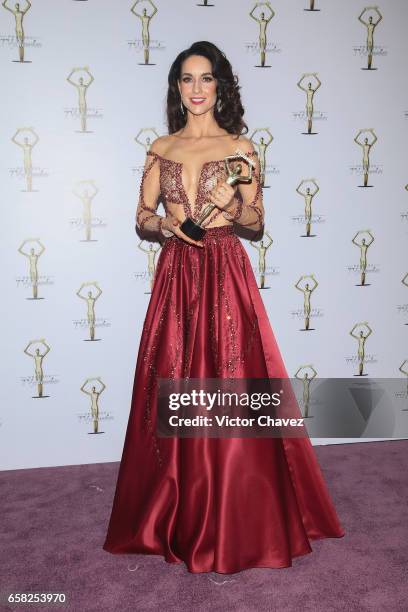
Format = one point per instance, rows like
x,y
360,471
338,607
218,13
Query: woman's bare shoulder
x,y
245,144
160,144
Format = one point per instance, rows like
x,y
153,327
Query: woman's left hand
x,y
222,195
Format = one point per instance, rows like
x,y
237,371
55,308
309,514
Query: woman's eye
x,y
186,79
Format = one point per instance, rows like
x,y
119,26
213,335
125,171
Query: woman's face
x,y
197,86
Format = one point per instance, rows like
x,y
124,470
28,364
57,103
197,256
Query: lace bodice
x,y
163,176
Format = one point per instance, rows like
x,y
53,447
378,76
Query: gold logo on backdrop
x,y
310,92
363,245
261,147
311,6
370,25
307,292
262,19
94,395
146,143
86,195
145,19
151,256
18,17
82,88
366,150
27,147
361,339
404,371
404,281
38,358
308,197
90,300
306,380
32,257
262,248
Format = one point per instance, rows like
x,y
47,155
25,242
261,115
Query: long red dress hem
x,y
216,504
231,570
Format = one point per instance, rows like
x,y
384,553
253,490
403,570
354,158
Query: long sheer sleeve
x,y
248,209
146,215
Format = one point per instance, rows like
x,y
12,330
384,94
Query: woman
x,y
217,504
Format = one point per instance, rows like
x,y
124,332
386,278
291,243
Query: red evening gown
x,y
216,504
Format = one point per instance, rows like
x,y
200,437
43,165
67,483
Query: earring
x,y
181,107
219,105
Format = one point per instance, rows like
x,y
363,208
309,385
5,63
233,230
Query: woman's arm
x,y
248,209
146,216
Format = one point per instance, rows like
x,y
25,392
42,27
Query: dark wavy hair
x,y
232,111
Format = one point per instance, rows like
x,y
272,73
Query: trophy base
x,y
192,229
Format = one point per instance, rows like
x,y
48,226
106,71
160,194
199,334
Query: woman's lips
x,y
197,101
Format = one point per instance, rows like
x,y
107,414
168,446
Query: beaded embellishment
x,y
231,345
142,216
172,190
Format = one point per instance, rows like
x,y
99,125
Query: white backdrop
x,y
127,96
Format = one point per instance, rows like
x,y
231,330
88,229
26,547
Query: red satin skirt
x,y
216,504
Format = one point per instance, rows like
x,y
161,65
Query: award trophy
x,y
192,228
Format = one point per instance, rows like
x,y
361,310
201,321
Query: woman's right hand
x,y
173,226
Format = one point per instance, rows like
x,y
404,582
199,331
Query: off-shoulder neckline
x,y
204,165
210,161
